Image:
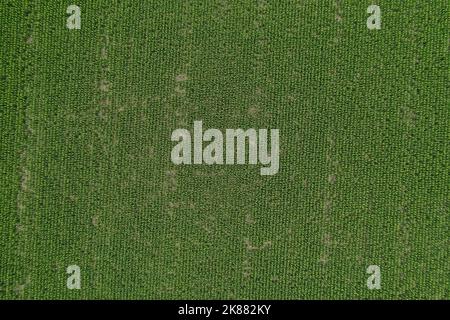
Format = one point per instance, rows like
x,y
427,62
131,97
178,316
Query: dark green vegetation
x,y
86,177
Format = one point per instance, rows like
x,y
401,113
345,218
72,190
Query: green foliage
x,y
86,176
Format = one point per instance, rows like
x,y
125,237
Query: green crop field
x,y
87,179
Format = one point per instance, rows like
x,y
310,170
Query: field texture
x,y
86,177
